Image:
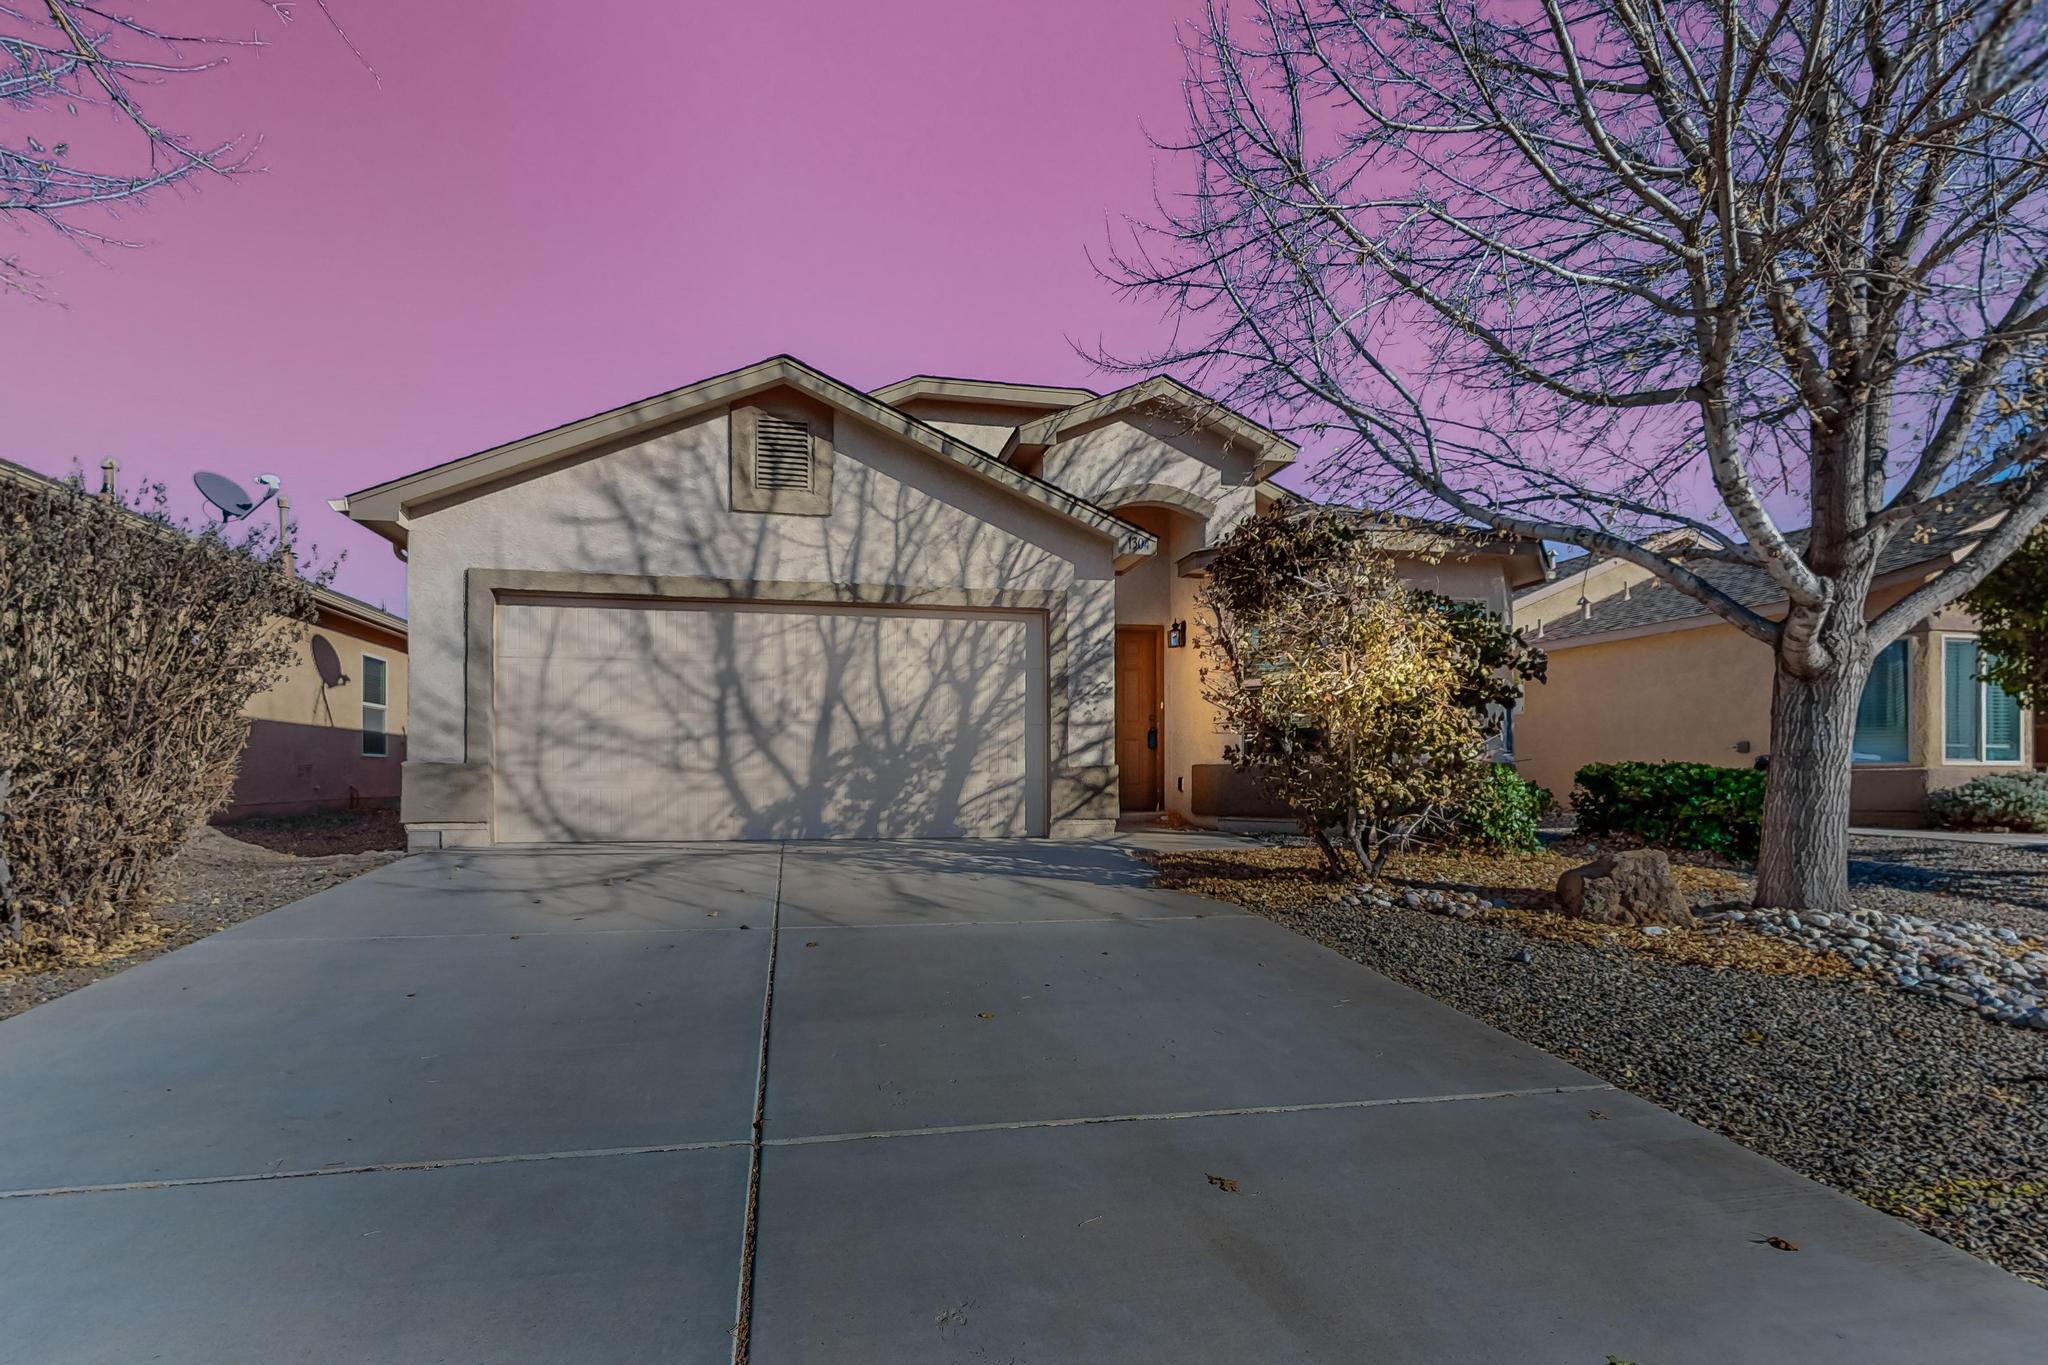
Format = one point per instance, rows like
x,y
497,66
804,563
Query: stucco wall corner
x,y
445,793
1084,801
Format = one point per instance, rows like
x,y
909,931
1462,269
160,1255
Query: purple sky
x,y
561,208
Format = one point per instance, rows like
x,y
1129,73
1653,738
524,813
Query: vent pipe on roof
x,y
284,535
1585,610
110,477
1626,589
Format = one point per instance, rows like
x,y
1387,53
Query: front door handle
x,y
1152,738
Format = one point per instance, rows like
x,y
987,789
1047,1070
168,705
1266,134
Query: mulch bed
x,y
318,834
1928,1112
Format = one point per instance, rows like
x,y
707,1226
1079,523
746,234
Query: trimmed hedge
x,y
2017,801
1673,805
1502,815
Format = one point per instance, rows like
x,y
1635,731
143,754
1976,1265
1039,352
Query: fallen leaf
x,y
1224,1183
812,944
1780,1243
1753,1038
1595,1113
984,1015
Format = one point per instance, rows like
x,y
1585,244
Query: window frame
x,y
1983,711
383,708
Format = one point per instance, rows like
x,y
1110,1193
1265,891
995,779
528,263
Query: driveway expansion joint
x,y
1240,1111
377,1168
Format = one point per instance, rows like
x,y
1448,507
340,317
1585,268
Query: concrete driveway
x,y
501,1107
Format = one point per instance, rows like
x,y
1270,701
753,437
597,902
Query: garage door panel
x,y
733,722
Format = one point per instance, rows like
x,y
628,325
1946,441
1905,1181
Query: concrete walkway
x,y
1014,1105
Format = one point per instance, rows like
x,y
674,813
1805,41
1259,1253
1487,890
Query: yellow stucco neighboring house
x,y
1640,672
331,734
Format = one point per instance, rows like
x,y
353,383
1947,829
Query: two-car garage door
x,y
743,721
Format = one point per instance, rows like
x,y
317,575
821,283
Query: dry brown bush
x,y
128,648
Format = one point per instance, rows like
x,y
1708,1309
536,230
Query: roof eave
x,y
385,507
1273,451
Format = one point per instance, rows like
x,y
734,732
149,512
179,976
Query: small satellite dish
x,y
229,497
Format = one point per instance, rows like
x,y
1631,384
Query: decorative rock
x,y
1633,887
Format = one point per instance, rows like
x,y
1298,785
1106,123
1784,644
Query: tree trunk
x,y
1804,862
1338,869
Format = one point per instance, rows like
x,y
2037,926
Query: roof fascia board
x,y
1905,573
982,391
1276,452
384,507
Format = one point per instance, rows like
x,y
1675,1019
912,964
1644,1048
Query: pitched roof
x,y
1943,534
1274,451
385,507
1040,396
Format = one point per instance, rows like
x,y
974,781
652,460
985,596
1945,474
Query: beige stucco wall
x,y
1559,600
1696,694
305,738
1141,448
657,506
1474,578
985,426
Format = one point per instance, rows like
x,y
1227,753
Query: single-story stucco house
x,y
331,733
770,605
1640,671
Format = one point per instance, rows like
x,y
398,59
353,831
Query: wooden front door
x,y
1138,718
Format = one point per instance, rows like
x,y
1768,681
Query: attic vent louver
x,y
782,455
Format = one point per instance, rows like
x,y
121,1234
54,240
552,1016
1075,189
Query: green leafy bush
x,y
1674,805
1994,801
1502,815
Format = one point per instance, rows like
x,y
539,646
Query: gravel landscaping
x,y
215,881
1912,1103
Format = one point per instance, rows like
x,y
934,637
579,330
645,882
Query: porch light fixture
x,y
1177,635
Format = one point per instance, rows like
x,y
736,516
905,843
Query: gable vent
x,y
782,454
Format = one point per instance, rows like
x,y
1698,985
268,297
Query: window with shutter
x,y
782,454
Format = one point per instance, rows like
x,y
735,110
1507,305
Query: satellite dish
x,y
229,497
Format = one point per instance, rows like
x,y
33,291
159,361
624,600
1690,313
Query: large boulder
x,y
1635,887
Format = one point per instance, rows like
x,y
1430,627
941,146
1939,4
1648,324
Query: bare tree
x,y
1579,268
62,58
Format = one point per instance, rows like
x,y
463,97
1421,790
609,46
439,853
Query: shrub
x,y
1348,692
1674,805
1994,801
128,649
1502,814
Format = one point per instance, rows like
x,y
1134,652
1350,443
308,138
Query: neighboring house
x,y
1640,671
770,605
332,732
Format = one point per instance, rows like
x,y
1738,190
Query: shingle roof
x,y
1949,527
